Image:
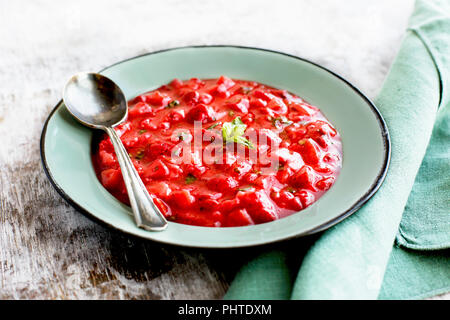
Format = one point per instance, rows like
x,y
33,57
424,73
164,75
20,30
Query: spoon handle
x,y
146,214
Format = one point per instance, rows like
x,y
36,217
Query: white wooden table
x,y
50,251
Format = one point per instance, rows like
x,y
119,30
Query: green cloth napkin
x,y
376,253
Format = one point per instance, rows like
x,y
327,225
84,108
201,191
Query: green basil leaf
x,y
234,132
190,179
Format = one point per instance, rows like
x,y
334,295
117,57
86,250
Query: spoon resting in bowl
x,y
97,102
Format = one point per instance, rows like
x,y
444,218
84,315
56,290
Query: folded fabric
x,y
355,259
425,223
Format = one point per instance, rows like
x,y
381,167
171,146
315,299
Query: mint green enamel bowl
x,y
66,145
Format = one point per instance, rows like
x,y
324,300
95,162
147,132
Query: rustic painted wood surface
x,y
50,251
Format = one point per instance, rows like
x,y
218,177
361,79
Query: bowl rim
x,y
355,207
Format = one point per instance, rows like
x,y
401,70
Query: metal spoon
x,y
97,102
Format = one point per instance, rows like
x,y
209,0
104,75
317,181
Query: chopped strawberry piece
x,y
201,113
304,178
195,83
205,98
106,145
277,106
191,97
225,81
331,158
220,91
175,170
300,109
281,93
111,178
263,181
257,103
228,205
182,199
248,118
239,169
107,159
239,104
176,116
123,128
222,184
250,177
306,197
157,170
325,183
285,174
194,97
163,126
130,141
287,200
158,99
147,124
208,204
320,132
176,83
237,218
263,95
309,151
141,109
323,168
195,218
162,206
159,189
158,148
259,206
207,200
295,133
218,217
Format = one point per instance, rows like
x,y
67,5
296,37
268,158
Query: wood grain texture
x,y
48,250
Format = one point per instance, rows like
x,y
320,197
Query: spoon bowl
x,y
95,100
